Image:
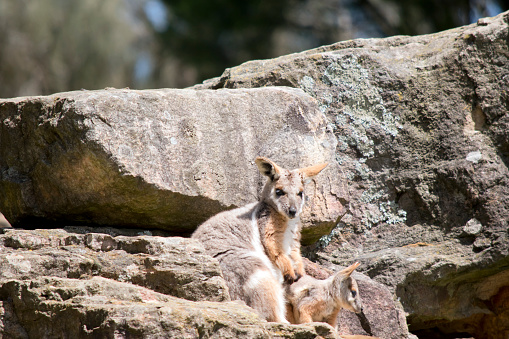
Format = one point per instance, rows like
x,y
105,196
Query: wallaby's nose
x,y
292,212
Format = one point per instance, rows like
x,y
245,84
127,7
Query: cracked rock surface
x,y
415,130
422,130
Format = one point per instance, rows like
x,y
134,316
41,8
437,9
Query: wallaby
x,y
310,299
258,245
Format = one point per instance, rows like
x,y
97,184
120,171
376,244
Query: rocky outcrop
x,y
63,283
170,265
416,130
104,308
422,129
166,159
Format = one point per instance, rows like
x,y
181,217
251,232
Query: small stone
x,y
3,222
483,21
474,157
472,227
482,243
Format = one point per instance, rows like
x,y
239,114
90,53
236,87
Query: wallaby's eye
x,y
354,293
300,194
279,192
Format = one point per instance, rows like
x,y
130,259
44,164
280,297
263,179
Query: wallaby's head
x,y
284,190
345,290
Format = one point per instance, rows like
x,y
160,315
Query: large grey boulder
x,y
422,130
166,159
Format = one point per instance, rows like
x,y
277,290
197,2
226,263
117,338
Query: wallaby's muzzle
x,y
292,212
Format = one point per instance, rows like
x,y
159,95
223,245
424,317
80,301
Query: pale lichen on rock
x,y
422,144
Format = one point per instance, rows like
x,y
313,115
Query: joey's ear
x,y
349,270
310,172
268,168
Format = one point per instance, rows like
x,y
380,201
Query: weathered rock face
x,y
416,130
166,159
59,283
104,308
422,129
174,266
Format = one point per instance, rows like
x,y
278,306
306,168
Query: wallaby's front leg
x,y
297,260
290,314
305,312
277,256
284,263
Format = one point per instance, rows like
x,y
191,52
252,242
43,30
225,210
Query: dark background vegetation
x,y
50,46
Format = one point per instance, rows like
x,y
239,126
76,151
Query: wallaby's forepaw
x,y
297,277
290,279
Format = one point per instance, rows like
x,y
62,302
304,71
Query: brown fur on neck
x,y
273,226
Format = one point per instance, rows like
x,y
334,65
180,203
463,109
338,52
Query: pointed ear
x,y
268,168
349,270
310,172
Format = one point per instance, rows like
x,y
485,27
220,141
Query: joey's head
x,y
284,190
345,290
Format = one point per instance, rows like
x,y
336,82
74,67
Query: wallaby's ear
x,y
349,270
268,168
311,171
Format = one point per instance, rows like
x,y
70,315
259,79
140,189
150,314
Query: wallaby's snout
x,y
357,307
292,212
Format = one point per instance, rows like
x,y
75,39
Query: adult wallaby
x,y
310,299
258,245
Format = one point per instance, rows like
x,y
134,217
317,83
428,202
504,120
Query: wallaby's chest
x,y
277,229
290,235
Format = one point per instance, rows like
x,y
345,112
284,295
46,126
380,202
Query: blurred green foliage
x,y
58,45
49,46
214,34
